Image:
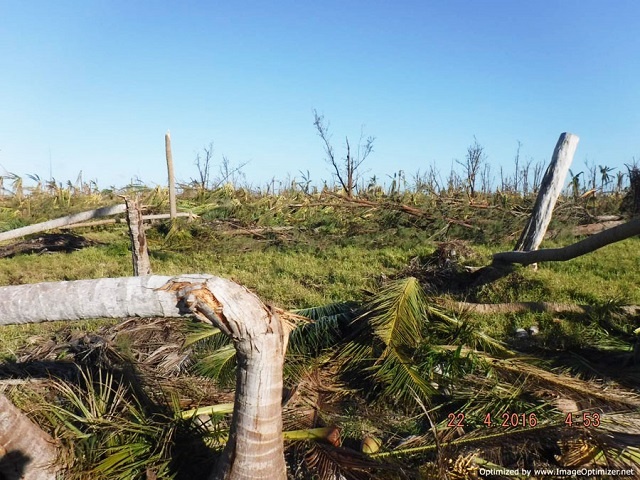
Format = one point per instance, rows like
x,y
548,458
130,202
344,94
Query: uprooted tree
x,y
255,447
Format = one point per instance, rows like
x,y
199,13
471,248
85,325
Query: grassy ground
x,y
328,253
298,251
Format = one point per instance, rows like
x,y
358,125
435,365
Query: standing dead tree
x,y
347,170
255,447
203,164
473,161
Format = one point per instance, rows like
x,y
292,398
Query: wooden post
x,y
550,189
172,181
139,250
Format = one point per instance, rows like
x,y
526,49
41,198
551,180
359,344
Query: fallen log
x,y
535,307
588,245
60,222
109,221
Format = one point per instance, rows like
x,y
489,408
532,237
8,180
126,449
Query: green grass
x,y
610,273
337,252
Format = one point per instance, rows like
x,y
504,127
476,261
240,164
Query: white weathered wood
x,y
550,190
60,222
172,181
85,299
26,451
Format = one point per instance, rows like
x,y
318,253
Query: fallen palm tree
x,y
255,447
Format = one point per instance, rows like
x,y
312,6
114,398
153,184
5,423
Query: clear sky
x,y
93,86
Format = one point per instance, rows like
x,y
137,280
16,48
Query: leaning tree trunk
x,y
550,189
255,447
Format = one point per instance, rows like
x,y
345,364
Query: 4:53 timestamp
x,y
586,419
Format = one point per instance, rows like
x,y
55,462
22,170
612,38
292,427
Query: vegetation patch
x,y
389,373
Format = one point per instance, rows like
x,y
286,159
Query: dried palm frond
x,y
327,462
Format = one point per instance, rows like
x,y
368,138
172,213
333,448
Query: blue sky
x,y
93,86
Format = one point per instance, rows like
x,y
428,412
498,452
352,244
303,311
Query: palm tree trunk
x,y
25,450
61,222
255,447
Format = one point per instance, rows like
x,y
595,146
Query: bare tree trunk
x,y
588,245
60,222
550,189
255,448
26,452
172,181
139,250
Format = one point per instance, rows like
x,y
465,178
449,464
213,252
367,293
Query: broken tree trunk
x,y
60,222
139,250
255,449
588,245
26,452
550,189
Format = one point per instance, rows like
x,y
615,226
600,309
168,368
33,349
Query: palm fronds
x,y
219,365
104,432
397,314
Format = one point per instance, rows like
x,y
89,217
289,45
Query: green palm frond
x,y
462,331
312,338
199,332
219,365
341,310
401,379
397,313
105,432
